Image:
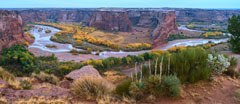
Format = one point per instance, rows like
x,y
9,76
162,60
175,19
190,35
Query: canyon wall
x,y
11,29
163,22
211,16
104,20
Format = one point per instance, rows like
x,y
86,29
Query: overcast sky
x,y
119,3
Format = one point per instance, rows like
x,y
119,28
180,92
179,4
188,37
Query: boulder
x,y
84,71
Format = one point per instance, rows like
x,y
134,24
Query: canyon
x,y
160,22
11,29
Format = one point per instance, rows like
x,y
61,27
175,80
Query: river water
x,y
42,39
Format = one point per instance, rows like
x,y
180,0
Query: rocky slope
x,y
11,29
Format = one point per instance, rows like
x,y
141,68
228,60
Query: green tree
x,y
234,29
17,60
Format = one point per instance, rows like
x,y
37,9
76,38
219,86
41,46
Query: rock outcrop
x,y
162,22
11,29
84,71
113,21
167,25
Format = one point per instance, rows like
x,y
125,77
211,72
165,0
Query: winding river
x,y
42,40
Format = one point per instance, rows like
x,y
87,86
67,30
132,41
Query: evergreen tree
x,y
234,29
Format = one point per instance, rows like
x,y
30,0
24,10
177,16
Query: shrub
x,y
237,94
50,64
171,85
18,60
48,31
136,90
231,71
6,75
109,99
190,65
123,87
10,79
90,88
26,84
153,84
46,77
218,63
41,100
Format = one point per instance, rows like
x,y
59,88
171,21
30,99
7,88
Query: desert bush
x,y
231,70
10,79
123,87
46,77
26,83
218,63
136,89
18,60
40,100
110,99
153,85
4,75
237,94
171,85
91,88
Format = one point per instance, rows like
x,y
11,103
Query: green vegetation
x,y
177,36
26,84
123,88
233,28
171,85
17,60
79,36
206,35
219,63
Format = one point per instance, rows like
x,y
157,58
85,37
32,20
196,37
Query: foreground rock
x,y
44,90
84,71
11,29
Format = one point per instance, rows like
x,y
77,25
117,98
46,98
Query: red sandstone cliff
x,y
167,25
104,20
113,21
11,29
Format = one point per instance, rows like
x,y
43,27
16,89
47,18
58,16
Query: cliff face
x,y
167,25
203,15
11,31
118,21
105,20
